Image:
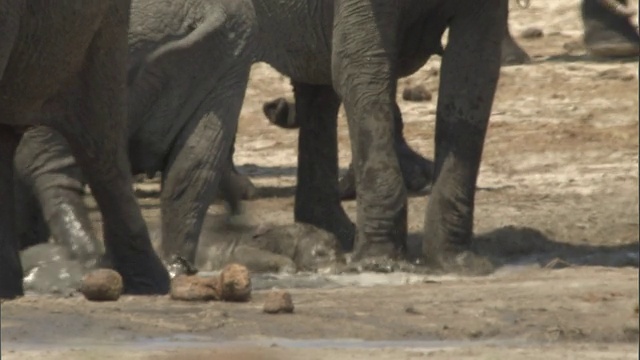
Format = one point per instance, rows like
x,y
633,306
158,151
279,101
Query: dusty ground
x,y
559,179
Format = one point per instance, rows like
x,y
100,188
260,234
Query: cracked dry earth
x,y
557,207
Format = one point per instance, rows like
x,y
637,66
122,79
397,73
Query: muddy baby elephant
x,y
183,118
63,65
278,248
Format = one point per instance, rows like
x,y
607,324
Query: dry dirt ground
x,y
559,181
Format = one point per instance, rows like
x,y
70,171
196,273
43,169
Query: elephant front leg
x,y
364,74
470,71
10,267
97,135
317,198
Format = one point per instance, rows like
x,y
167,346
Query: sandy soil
x,y
559,181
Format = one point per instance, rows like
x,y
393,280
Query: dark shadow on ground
x,y
585,58
513,245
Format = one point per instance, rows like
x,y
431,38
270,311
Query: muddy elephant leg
x,y
317,198
470,66
10,267
363,68
45,164
607,33
196,164
97,136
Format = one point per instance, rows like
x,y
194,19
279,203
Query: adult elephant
x,y
63,65
607,33
189,66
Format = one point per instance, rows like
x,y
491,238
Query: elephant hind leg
x,y
317,200
10,267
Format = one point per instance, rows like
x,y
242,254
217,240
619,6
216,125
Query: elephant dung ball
x,y
416,93
234,283
194,288
278,301
102,285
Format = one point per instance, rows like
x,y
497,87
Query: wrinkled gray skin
x,y
63,65
281,248
343,50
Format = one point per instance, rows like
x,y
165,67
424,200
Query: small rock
x,y
416,93
235,283
531,33
194,288
102,285
278,301
410,309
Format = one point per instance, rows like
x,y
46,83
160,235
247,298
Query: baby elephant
x,y
279,248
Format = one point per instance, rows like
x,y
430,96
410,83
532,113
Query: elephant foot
x,y
337,223
180,266
143,273
347,185
512,53
608,34
281,113
417,173
244,186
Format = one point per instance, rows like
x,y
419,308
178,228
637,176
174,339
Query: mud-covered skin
x,y
278,248
64,65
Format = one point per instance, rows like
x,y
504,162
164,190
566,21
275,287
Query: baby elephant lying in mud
x,y
50,268
278,248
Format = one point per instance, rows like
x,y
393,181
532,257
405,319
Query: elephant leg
x,y
470,66
197,161
317,198
45,164
10,267
607,33
364,74
512,53
97,135
417,171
